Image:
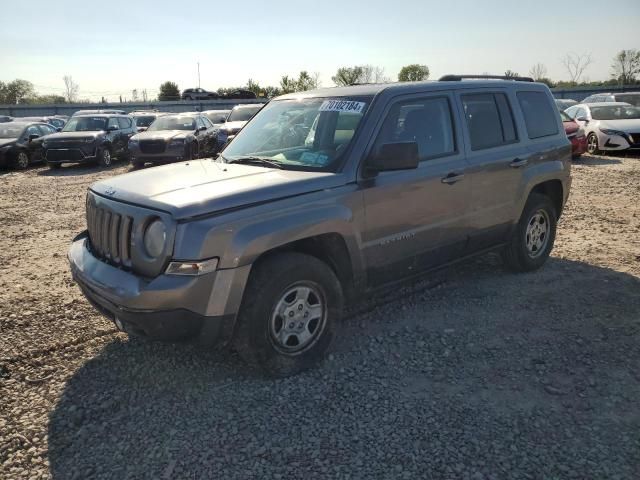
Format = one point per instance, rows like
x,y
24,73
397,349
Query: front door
x,y
415,219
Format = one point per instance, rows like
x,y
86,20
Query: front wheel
x,y
104,157
592,144
290,313
532,239
22,160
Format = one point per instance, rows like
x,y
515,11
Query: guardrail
x,y
24,110
580,93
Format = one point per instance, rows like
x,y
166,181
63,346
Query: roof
x,y
248,105
101,115
604,104
402,87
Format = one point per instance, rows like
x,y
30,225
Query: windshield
x,y
86,124
243,114
9,130
632,98
307,133
217,117
565,117
173,123
615,112
145,121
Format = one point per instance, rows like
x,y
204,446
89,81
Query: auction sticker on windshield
x,y
342,106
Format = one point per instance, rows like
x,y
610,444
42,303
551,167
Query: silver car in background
x,y
627,97
609,126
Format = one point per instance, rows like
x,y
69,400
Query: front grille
x,y
110,234
152,146
59,155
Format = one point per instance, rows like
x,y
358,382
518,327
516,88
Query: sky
x,y
112,47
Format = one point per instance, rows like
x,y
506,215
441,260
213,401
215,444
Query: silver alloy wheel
x,y
106,157
23,160
299,318
592,143
537,234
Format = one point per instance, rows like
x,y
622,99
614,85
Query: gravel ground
x,y
472,374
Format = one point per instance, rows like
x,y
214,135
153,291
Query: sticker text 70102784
x,y
342,106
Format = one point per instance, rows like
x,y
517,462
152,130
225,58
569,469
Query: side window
x,y
489,120
427,122
199,122
539,116
124,122
113,122
32,130
207,122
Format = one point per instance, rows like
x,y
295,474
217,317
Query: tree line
x,y
625,70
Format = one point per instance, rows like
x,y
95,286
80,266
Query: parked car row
x,y
202,94
100,136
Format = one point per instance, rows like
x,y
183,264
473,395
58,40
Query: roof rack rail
x,y
457,78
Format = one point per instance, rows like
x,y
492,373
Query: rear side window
x,y
424,121
489,120
539,116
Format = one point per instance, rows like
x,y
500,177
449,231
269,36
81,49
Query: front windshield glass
x,y
217,117
243,114
308,133
615,112
10,130
145,121
86,124
565,117
173,123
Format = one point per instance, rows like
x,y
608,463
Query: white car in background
x,y
608,126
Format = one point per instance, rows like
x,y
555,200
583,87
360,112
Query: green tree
x,y
511,74
271,92
413,73
346,76
169,91
16,91
254,87
288,84
625,66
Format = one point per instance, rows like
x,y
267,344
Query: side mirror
x,y
394,156
59,129
142,129
33,136
201,129
112,128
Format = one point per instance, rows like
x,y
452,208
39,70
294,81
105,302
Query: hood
x,y
7,141
233,127
628,126
161,134
200,187
72,135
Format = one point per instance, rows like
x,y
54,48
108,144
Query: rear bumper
x,y
578,146
167,307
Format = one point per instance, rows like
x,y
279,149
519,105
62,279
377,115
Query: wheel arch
x,y
552,189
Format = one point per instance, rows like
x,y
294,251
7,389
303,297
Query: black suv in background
x,y
199,94
87,138
173,138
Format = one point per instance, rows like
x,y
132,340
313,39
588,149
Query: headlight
x,y
89,140
155,237
176,142
44,144
606,131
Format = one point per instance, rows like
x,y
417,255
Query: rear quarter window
x,y
489,120
540,117
124,122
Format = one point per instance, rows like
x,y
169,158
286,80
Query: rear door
x,y
416,219
496,161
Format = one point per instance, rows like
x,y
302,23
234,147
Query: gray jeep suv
x,y
324,197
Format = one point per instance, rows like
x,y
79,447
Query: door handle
x,y
452,178
519,162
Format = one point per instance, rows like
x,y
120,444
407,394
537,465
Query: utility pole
x,y
198,74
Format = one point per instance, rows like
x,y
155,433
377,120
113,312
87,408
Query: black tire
x,y
270,285
137,164
21,160
517,256
191,151
592,144
54,166
105,158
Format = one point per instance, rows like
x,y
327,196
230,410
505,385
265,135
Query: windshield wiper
x,y
253,159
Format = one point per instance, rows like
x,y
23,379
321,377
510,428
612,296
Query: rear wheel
x,y
592,144
290,313
532,240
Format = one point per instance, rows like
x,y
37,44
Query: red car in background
x,y
575,134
